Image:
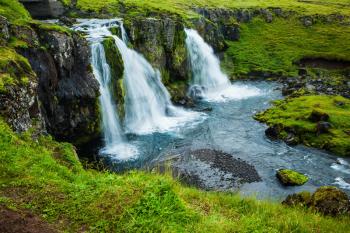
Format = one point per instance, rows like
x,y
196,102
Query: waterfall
x,y
208,81
148,107
115,142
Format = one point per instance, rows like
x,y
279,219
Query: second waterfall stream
x,y
208,81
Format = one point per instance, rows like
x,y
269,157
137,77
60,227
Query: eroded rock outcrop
x,y
55,83
68,90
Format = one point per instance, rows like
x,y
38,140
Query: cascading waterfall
x,y
208,81
115,142
148,107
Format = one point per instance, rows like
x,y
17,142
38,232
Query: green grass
x,y
274,47
294,113
14,11
184,7
14,69
46,177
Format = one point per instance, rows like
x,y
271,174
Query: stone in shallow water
x,y
291,178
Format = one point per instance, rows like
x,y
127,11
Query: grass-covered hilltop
x,y
49,107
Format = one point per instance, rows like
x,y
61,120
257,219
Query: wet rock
x,y
197,92
317,116
330,201
67,89
290,177
273,132
67,21
323,127
208,109
291,139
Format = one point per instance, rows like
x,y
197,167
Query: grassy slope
x,y
13,11
47,178
293,113
183,7
274,47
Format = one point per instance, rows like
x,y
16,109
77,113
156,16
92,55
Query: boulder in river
x,y
291,178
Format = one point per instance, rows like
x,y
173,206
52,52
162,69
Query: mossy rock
x,y
293,114
291,178
330,201
114,58
298,199
116,64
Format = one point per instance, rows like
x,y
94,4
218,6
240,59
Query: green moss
x,y
115,62
14,11
14,69
294,116
114,58
17,43
290,177
50,27
46,177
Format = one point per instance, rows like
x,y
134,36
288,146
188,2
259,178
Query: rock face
x,y
18,100
18,86
327,200
59,91
162,42
68,90
290,177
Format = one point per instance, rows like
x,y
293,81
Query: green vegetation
x,y
50,27
115,62
14,69
293,115
184,8
275,47
290,177
14,11
47,178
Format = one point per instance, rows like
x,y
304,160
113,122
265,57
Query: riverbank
x,y
46,178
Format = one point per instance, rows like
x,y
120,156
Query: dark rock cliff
x,y
63,87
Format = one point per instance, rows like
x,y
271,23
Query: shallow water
x,y
230,127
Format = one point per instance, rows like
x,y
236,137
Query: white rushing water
x,y
148,107
208,81
115,142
